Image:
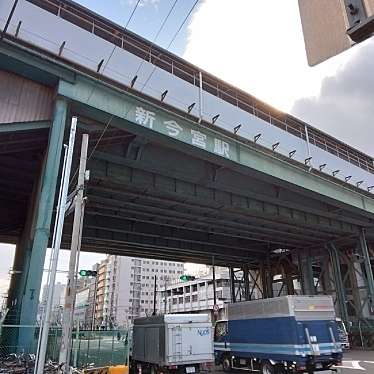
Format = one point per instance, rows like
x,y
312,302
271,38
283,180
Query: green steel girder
x,y
239,155
214,198
24,126
152,233
368,268
161,245
231,182
203,212
40,233
17,58
340,291
118,247
169,217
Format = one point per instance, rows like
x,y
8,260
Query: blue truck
x,y
288,334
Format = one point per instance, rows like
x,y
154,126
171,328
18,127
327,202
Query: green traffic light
x,y
83,273
186,278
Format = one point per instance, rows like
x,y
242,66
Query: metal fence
x,y
361,334
101,347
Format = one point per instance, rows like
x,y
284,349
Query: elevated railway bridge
x,y
183,166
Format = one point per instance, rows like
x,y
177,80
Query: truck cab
x,y
291,334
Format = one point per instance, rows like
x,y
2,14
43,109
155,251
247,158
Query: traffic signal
x,y
186,278
88,273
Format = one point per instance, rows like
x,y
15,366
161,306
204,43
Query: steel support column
x,y
368,269
266,278
232,285
339,287
33,270
307,278
247,295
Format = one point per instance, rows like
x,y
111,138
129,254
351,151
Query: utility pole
x,y
214,288
56,243
154,296
165,290
74,256
165,296
214,281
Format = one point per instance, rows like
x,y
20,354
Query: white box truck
x,y
172,342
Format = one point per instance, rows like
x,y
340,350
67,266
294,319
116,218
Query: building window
x,y
194,298
187,299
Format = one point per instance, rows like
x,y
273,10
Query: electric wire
x,y
157,34
171,41
169,45
113,50
94,88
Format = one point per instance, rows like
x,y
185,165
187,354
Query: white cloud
x,y
259,47
143,3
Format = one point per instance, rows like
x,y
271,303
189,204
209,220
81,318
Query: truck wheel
x,y
226,365
267,368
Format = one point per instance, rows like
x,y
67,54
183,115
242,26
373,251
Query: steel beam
x,y
287,208
306,270
368,268
338,280
24,126
232,285
240,156
43,210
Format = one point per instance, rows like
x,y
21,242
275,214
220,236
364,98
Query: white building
x,y
57,302
197,296
125,288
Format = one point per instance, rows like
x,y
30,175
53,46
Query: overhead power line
x,y
154,68
172,40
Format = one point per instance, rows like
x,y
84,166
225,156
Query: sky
x,y
257,46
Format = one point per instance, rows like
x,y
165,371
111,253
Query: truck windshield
x,y
220,330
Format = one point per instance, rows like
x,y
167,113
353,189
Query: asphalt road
x,y
354,362
358,361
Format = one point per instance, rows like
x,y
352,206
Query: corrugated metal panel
x,y
22,100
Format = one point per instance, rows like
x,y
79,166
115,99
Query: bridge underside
x,y
152,196
148,199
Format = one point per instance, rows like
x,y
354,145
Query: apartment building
x,y
125,289
197,296
58,301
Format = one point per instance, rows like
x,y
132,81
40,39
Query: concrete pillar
x,y
33,266
339,287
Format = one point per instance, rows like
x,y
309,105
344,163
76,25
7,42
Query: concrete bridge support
x,y
31,248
